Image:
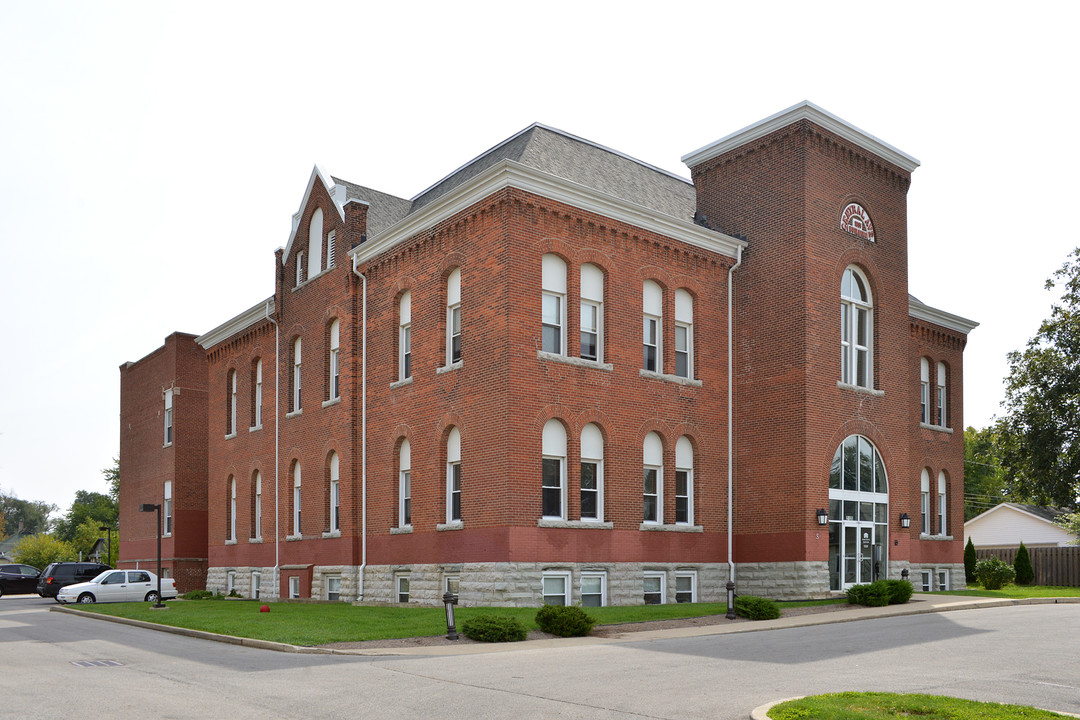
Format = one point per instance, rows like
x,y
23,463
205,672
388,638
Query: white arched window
x,y
925,502
858,514
230,410
553,305
296,404
315,241
943,416
335,493
232,509
256,395
592,313
684,334
405,485
856,330
924,391
453,317
296,500
405,336
553,497
653,333
592,473
453,476
653,451
256,506
942,508
334,360
684,482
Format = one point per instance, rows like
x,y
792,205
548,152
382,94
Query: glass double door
x,y
859,554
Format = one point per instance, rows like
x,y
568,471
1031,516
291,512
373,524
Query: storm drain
x,y
97,663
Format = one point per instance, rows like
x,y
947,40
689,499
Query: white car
x,y
119,586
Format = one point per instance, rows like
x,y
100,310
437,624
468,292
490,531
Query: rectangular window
x,y
335,506
453,329
551,331
942,580
590,330
651,361
590,490
455,492
924,403
682,497
294,587
556,588
682,350
335,374
652,495
256,415
685,587
552,488
593,590
256,530
405,489
452,585
941,421
925,512
168,417
941,513
230,426
333,588
402,582
654,588
296,405
926,584
166,510
256,585
405,339
230,582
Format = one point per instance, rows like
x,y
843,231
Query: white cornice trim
x,y
336,193
805,110
241,322
922,311
508,173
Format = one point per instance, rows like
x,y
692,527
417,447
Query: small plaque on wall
x,y
855,221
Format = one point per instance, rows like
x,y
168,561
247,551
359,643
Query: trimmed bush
x,y
756,608
493,628
993,574
564,620
875,594
899,591
1025,574
198,595
970,558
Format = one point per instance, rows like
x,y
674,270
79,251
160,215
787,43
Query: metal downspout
x,y
363,437
277,445
730,434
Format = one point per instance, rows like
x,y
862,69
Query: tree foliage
x,y
24,516
1071,522
92,507
1041,428
970,558
984,478
40,550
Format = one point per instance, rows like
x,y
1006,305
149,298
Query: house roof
x,y
1042,512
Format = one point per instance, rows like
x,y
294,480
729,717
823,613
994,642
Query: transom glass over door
x,y
858,514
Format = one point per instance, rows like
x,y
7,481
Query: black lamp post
x,y
108,529
730,600
151,507
449,601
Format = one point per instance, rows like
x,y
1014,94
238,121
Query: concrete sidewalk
x,y
920,603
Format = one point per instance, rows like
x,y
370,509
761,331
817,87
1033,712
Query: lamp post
x,y
151,507
108,529
449,601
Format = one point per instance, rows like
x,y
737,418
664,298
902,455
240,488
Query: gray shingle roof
x,y
383,209
1050,514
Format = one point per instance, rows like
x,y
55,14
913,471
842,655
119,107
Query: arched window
x,y
924,391
296,500
858,514
256,393
553,305
230,408
334,494
256,505
315,241
653,452
405,485
856,330
943,416
453,317
553,481
592,313
684,334
653,333
925,501
684,482
297,406
592,473
453,476
231,508
942,504
405,336
333,360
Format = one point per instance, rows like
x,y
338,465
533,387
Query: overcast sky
x,y
152,154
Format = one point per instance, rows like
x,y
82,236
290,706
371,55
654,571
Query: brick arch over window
x,y
855,427
595,257
601,420
555,246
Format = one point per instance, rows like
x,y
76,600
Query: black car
x,y
17,579
62,574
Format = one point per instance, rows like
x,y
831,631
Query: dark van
x,y
62,574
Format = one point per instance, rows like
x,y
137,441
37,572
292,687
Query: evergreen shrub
x,y
875,594
493,628
970,558
993,574
564,620
1025,574
899,591
756,608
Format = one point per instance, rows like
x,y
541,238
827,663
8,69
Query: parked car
x,y
17,579
61,574
119,586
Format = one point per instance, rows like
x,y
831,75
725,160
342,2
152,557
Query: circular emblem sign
x,y
855,221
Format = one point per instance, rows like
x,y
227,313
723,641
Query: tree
x,y
112,477
984,479
24,516
970,558
1071,522
1041,427
87,534
1025,574
40,550
88,506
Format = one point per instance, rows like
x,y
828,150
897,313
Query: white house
x,y
1007,524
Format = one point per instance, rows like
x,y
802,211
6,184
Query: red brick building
x,y
562,374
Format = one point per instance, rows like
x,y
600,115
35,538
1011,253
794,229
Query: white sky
x,y
152,154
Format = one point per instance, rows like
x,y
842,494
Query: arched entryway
x,y
858,514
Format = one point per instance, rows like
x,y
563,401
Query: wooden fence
x,y
1052,565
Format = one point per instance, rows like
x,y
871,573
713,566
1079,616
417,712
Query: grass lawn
x,y
1018,591
872,706
321,623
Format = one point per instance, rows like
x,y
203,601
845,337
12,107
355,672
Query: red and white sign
x,y
855,221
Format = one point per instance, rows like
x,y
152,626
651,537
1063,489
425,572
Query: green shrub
x,y
970,558
1025,574
564,620
198,595
756,608
899,591
876,594
993,574
493,628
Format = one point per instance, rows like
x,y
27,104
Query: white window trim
x,y
567,588
404,352
562,488
326,587
335,361
256,585
663,584
599,491
849,345
942,402
450,519
168,430
689,495
297,406
404,478
603,585
294,587
659,494
561,298
256,419
297,530
658,345
232,510
335,494
692,574
331,251
598,330
398,578
258,506
166,509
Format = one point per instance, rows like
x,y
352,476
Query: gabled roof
x,y
1040,512
921,311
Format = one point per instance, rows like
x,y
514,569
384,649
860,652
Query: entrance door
x,y
858,553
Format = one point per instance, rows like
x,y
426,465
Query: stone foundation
x,y
783,580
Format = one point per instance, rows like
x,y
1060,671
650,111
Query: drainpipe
x,y
730,434
363,435
277,444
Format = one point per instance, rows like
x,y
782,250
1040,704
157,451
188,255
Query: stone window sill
x,y
689,382
293,538
168,444
230,542
332,401
449,368
936,428
401,383
332,534
230,436
295,413
860,389
672,528
579,362
407,530
924,536
255,428
255,541
456,525
575,524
